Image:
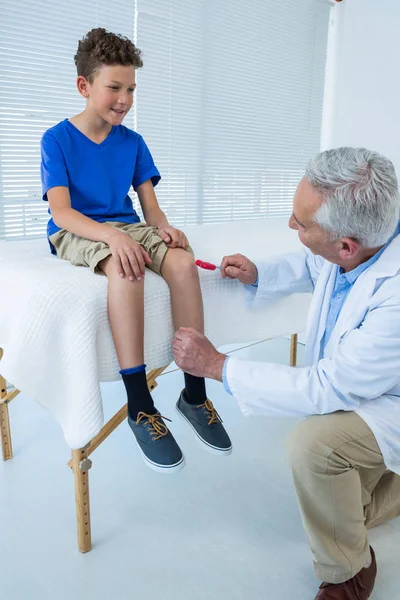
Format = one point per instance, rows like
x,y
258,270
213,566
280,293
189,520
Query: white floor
x,y
224,528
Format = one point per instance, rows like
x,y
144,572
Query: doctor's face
x,y
306,202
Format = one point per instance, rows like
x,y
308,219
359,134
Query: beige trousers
x,y
343,488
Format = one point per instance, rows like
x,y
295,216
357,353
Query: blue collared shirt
x,y
343,284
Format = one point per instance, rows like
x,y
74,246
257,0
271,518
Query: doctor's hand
x,y
239,267
195,354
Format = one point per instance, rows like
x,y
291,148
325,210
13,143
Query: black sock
x,y
139,397
195,389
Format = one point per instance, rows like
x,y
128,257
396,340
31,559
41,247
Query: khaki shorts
x,y
86,253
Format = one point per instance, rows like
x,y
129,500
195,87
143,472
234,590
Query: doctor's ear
x,y
348,247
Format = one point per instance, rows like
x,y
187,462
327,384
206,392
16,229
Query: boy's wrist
x,y
162,225
157,224
108,233
161,221
156,218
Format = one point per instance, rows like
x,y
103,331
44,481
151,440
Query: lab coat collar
x,y
353,311
388,264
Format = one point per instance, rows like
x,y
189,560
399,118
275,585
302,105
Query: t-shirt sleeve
x,y
53,170
144,168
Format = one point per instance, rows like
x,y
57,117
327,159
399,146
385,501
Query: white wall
x,y
363,83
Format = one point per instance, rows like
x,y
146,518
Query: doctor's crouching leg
x,y
342,487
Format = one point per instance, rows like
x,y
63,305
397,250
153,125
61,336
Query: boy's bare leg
x,y
181,273
126,314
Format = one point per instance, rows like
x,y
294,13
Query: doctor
x,y
345,456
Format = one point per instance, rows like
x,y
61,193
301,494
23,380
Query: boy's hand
x,y
129,256
239,267
174,238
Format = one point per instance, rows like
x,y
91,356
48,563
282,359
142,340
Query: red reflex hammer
x,y
206,265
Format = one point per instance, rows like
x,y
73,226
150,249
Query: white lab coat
x,y
360,370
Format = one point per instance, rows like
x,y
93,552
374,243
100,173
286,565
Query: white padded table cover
x,y
55,333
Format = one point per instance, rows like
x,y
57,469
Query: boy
x,y
88,164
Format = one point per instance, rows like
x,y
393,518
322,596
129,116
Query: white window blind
x,y
38,41
230,102
229,99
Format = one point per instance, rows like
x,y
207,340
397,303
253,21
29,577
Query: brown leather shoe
x,y
358,587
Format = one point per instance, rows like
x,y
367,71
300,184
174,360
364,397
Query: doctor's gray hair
x,y
360,194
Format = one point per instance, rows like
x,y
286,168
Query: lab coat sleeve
x,y
365,365
281,276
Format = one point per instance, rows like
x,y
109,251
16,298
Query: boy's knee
x,y
111,269
185,259
181,264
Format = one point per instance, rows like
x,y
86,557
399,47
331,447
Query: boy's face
x,y
110,95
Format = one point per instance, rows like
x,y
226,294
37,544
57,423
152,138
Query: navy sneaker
x,y
206,423
159,448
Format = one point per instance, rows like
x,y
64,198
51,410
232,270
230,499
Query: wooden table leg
x,y
293,350
5,431
81,463
80,466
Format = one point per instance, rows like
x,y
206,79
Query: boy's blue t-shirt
x,y
98,176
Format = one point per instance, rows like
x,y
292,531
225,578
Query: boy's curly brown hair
x,y
101,47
